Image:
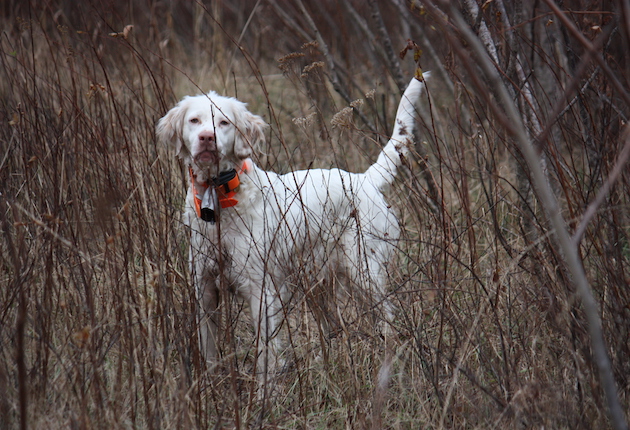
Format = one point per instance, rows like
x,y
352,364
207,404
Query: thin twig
x,y
460,362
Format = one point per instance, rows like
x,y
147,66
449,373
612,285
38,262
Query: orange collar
x,y
226,185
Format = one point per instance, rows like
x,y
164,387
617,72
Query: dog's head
x,y
210,132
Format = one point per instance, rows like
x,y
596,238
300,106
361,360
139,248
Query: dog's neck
x,y
223,190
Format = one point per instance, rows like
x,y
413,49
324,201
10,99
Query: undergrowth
x,y
97,326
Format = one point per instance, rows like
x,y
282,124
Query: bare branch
x,y
392,60
564,242
605,190
426,46
591,48
334,76
484,33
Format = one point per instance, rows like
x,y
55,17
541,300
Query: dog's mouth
x,y
207,157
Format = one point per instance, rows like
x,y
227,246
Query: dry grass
x,y
97,326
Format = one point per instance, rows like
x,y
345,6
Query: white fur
x,y
316,223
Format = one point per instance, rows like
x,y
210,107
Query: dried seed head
x,y
343,118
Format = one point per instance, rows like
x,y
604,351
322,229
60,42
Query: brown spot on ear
x,y
251,133
169,128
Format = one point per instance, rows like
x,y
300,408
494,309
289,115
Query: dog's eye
x,y
194,120
224,122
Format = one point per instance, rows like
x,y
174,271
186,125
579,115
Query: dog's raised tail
x,y
383,172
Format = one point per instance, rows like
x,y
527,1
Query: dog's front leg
x,y
208,300
204,278
266,313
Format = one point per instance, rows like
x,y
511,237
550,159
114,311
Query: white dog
x,y
253,231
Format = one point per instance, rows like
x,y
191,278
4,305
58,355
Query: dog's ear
x,y
169,128
250,131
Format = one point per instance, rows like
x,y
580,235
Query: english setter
x,y
252,230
